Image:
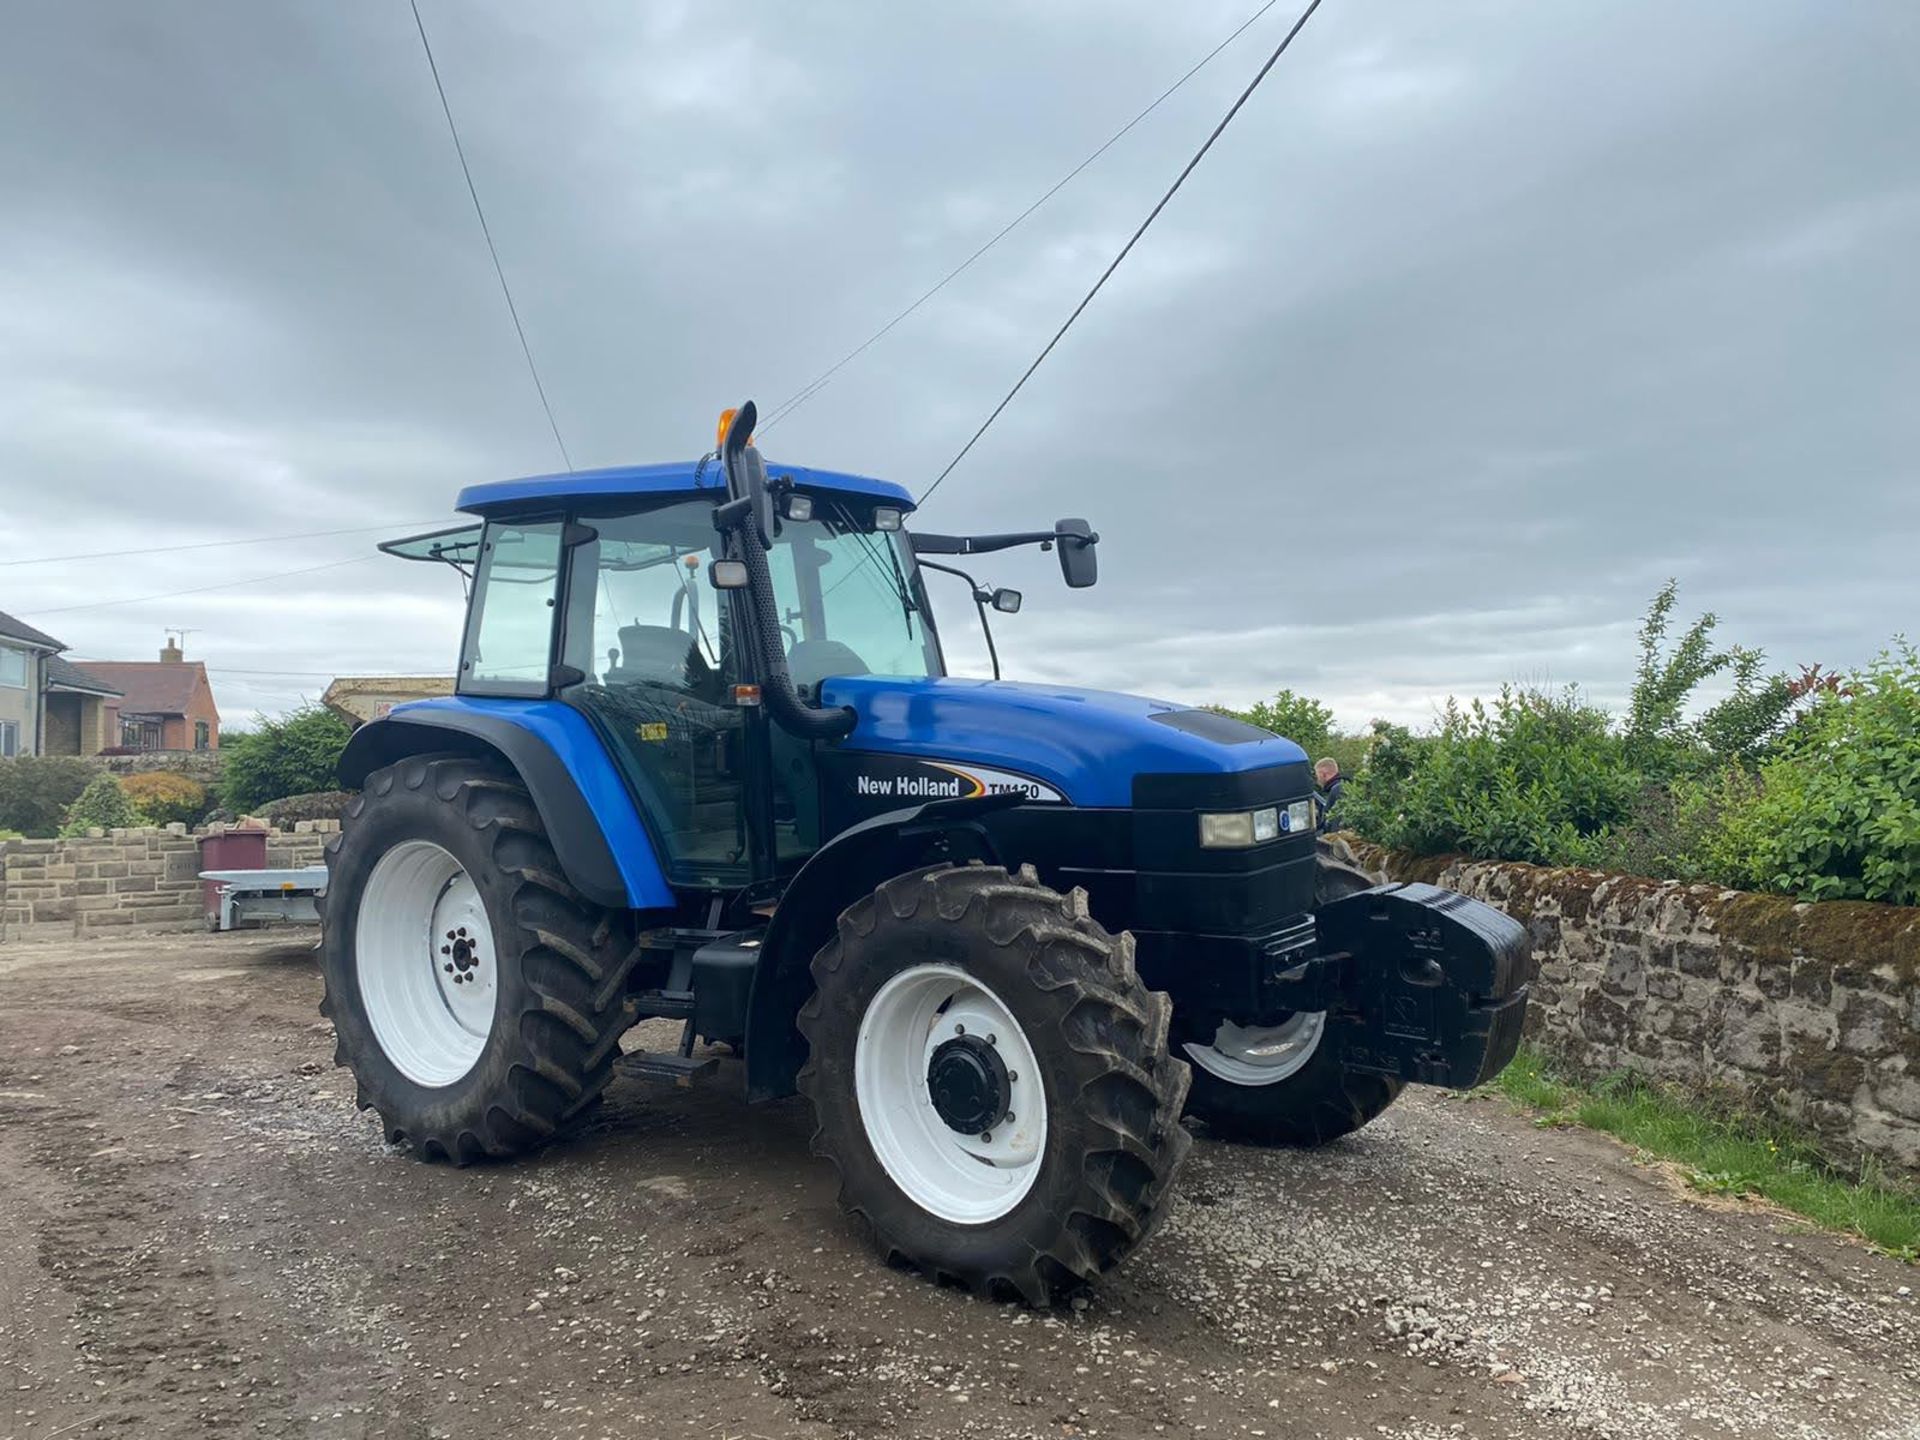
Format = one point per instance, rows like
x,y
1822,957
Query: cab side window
x,y
509,643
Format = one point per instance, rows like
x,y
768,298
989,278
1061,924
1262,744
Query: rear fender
x,y
590,817
852,864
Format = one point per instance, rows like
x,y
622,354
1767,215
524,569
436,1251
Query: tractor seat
x,y
652,655
811,661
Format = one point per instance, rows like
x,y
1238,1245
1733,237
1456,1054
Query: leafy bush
x,y
1537,777
35,791
296,754
1837,814
102,804
165,798
1737,730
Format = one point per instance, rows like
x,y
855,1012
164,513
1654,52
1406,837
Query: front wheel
x,y
1280,1084
992,1081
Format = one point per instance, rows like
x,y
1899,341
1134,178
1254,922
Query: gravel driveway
x,y
199,1235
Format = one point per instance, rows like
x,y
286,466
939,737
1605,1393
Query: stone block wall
x,y
146,877
1810,1011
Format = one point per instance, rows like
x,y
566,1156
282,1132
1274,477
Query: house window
x,y
202,735
13,668
9,739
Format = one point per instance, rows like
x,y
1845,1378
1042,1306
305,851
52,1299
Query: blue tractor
x,y
704,763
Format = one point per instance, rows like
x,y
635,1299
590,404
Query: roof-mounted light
x,y
726,423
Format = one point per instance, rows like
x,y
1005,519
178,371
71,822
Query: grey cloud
x,y
1481,321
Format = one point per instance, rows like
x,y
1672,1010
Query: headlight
x,y
1236,830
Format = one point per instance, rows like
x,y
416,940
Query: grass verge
x,y
1723,1153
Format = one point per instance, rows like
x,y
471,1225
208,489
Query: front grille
x,y
1297,935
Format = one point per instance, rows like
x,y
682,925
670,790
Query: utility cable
x,y
812,387
512,309
203,589
1125,249
213,544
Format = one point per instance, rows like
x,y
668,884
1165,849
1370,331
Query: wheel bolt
x,y
451,935
1012,1075
959,1029
447,968
993,1039
1008,1117
446,949
986,1137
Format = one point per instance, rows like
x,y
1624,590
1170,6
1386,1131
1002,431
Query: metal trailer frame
x,y
264,896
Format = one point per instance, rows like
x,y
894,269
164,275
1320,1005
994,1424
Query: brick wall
x,y
1811,1011
147,877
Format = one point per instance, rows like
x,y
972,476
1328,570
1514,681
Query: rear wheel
x,y
478,999
992,1081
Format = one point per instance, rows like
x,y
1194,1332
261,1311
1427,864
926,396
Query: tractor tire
x,y
477,998
1278,1085
992,1082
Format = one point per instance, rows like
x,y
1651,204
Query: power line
x,y
203,589
512,309
213,544
819,382
1126,249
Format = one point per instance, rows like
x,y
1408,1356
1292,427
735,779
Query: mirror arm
x,y
980,599
928,544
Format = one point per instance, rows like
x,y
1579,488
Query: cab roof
x,y
680,476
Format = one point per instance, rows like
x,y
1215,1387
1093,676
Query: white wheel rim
x,y
1261,1054
965,1179
427,965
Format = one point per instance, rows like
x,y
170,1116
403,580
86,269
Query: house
x,y
49,705
165,704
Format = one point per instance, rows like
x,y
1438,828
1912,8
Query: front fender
x,y
850,865
590,817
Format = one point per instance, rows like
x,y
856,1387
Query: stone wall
x,y
201,765
149,877
1811,1011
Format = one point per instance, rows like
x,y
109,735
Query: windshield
x,y
847,599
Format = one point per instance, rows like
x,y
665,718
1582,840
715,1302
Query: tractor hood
x,y
1087,744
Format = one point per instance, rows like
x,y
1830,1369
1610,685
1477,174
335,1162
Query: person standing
x,y
1326,774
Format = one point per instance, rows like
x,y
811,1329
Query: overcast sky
x,y
1481,321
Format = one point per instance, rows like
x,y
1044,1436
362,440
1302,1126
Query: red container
x,y
233,850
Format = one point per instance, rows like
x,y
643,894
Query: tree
x,y
294,754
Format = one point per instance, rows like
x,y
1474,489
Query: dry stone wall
x,y
1809,1010
62,889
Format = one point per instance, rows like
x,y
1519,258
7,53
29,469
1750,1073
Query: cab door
x,y
648,638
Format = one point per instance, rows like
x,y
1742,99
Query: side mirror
x,y
1007,602
1075,540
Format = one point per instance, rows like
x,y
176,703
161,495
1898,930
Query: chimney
x,y
170,652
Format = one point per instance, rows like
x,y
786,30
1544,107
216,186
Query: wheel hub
x,y
968,1082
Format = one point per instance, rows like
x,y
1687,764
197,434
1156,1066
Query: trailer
x,y
261,897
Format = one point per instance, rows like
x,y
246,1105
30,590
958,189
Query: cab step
x,y
663,1004
667,1065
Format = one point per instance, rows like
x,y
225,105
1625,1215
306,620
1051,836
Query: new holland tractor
x,y
704,762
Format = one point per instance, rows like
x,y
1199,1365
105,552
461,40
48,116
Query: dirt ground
x,y
199,1235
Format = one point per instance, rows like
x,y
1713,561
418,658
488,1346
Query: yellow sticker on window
x,y
653,731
